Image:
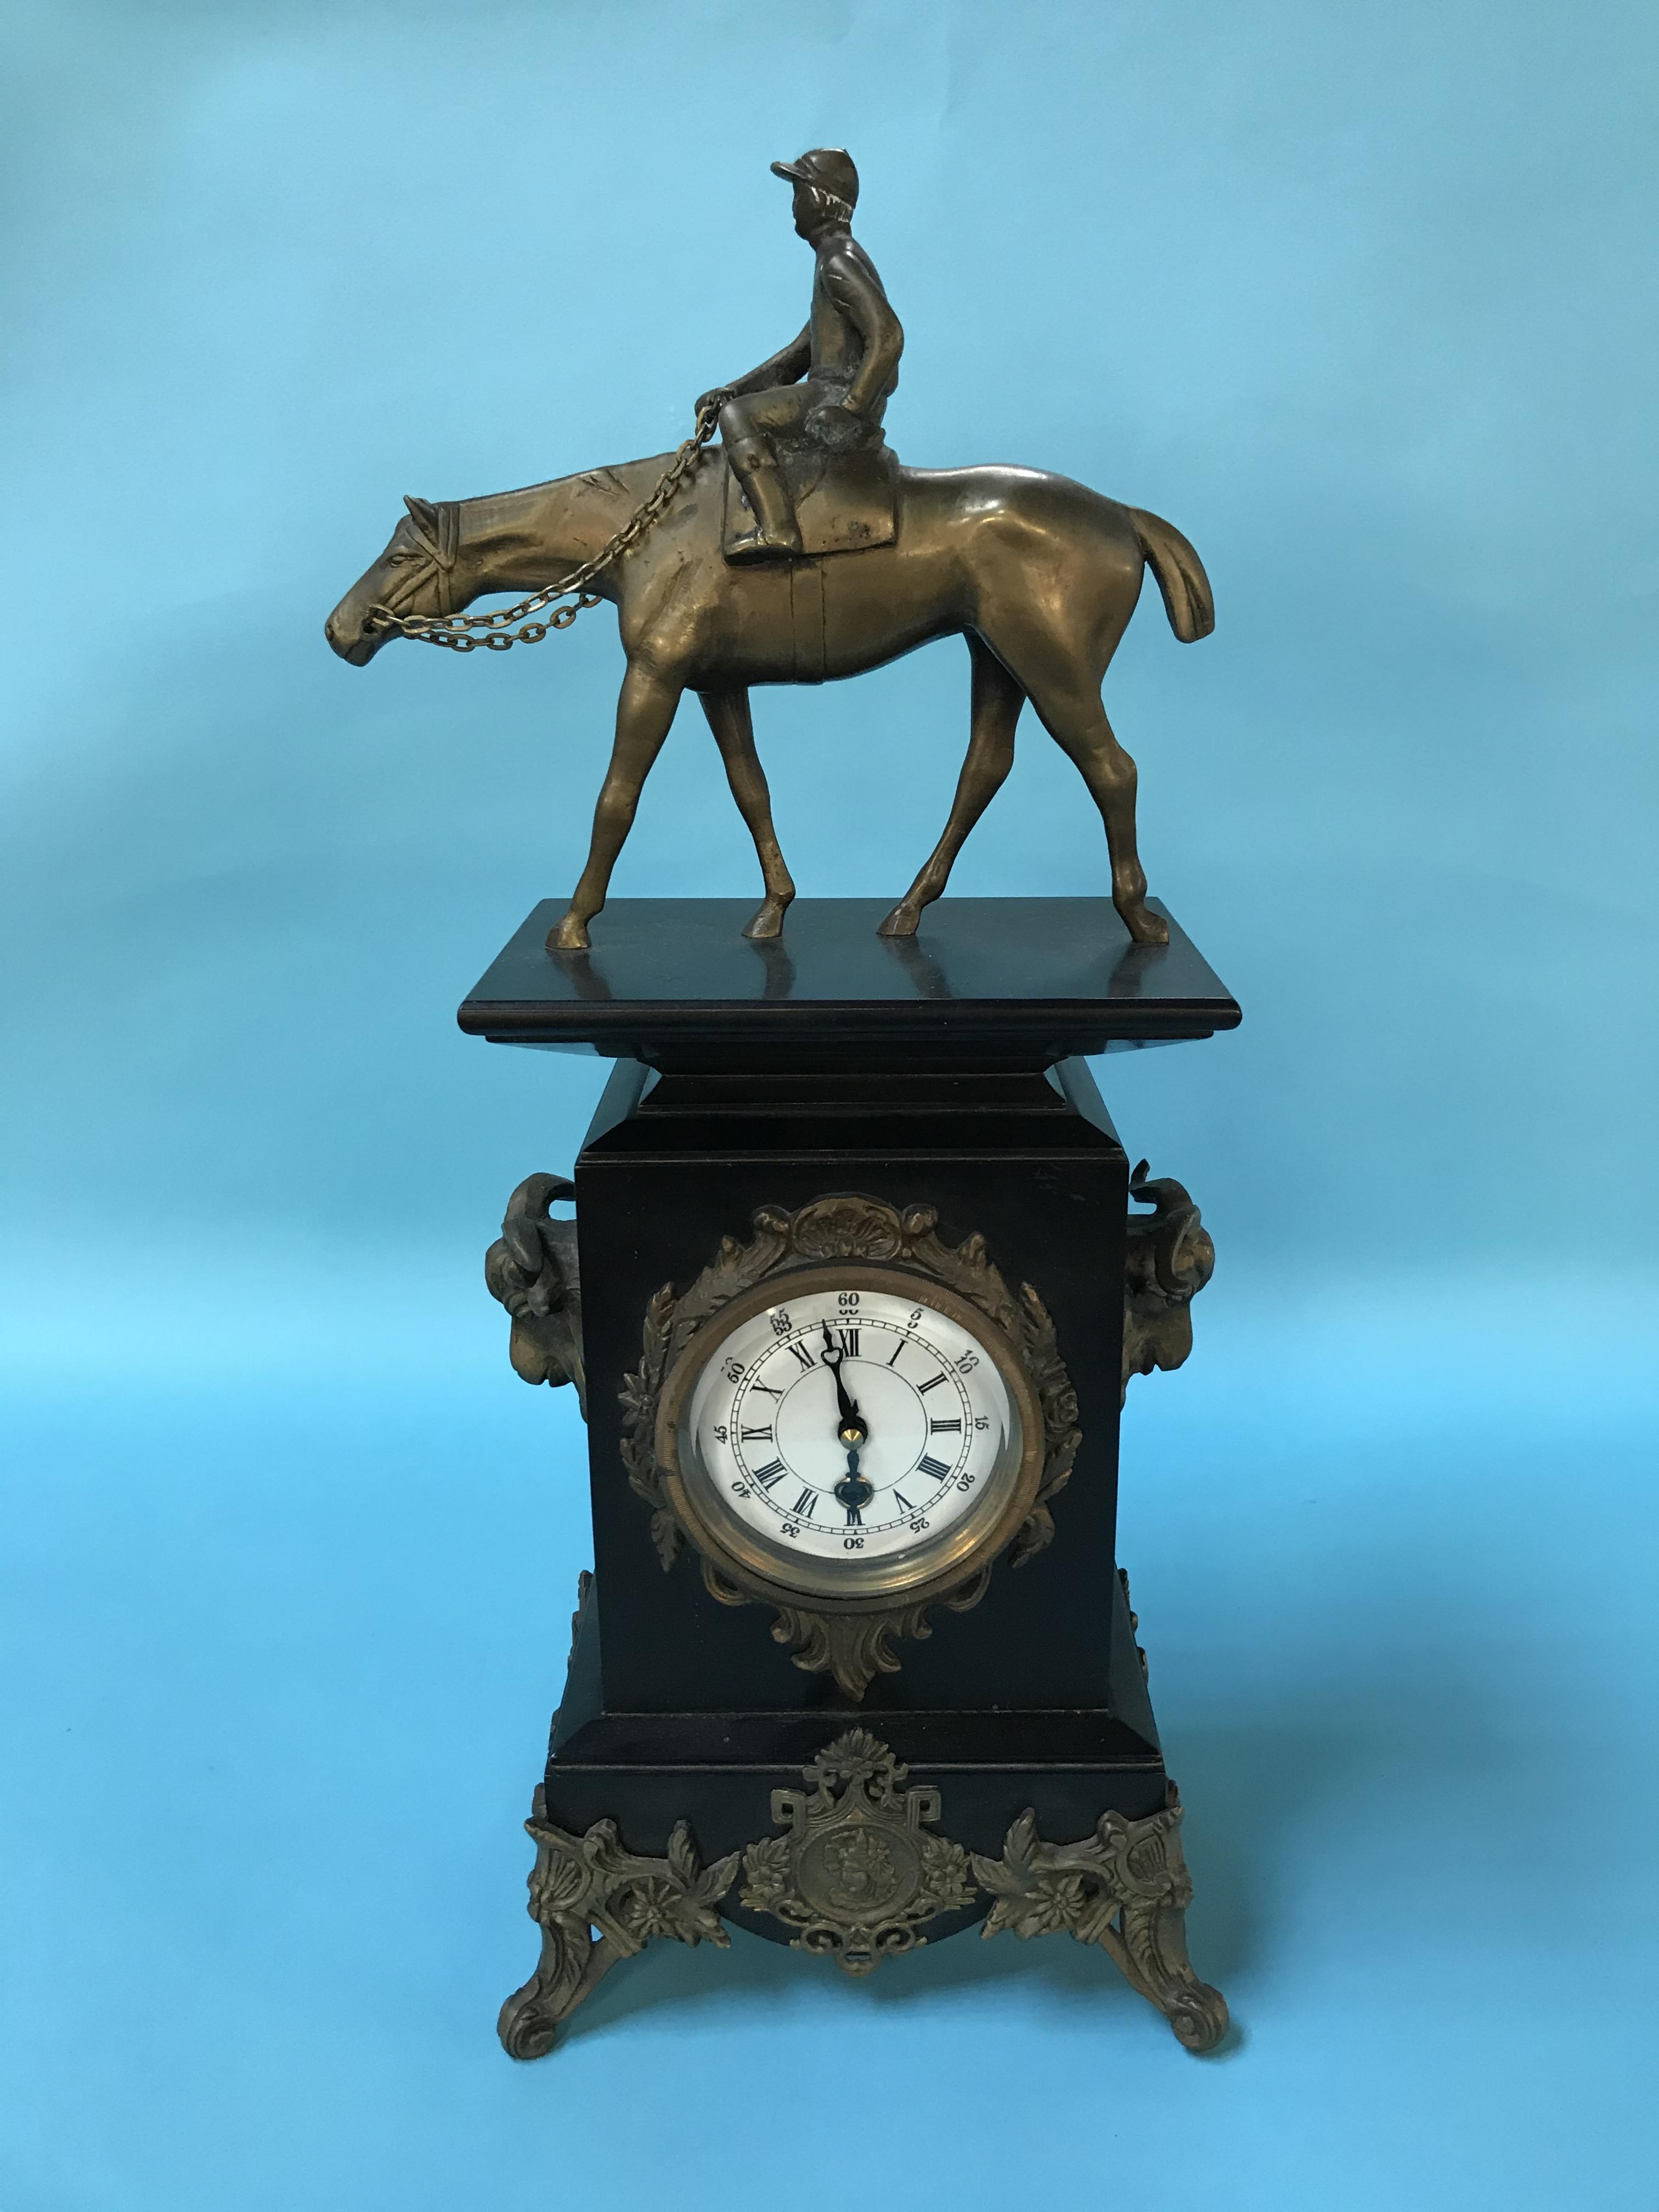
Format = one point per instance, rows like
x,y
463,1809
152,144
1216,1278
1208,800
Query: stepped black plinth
x,y
839,1089
1020,982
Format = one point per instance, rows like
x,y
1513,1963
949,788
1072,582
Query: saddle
x,y
843,501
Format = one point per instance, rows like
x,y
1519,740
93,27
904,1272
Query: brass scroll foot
x,y
1126,1888
596,1903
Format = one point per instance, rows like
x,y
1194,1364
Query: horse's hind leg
x,y
1065,688
644,710
734,733
997,701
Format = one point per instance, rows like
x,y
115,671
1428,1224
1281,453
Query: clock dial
x,y
862,1427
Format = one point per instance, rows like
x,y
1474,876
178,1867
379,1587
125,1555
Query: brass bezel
x,y
855,1586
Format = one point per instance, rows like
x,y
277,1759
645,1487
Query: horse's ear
x,y
423,512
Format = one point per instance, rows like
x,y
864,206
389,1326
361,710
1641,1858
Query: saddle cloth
x,y
843,501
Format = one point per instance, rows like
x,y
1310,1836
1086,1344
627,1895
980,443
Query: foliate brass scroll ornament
x,y
840,1598
1125,1888
596,1903
856,1874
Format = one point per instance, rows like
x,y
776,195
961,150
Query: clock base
x,y
661,1831
864,1871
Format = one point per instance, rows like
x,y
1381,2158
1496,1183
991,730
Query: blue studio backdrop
x,y
1362,301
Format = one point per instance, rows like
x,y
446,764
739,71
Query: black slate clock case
x,y
946,1072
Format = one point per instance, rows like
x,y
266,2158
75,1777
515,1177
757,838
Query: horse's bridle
x,y
466,632
440,550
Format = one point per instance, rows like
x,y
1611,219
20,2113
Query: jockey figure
x,y
848,354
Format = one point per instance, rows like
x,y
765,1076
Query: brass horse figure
x,y
1038,573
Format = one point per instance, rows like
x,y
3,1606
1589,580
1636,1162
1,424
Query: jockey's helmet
x,y
827,169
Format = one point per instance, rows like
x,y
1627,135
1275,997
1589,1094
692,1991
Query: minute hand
x,y
854,1429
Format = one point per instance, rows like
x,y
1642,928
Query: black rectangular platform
x,y
984,982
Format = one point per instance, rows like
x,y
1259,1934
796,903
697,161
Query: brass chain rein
x,y
466,632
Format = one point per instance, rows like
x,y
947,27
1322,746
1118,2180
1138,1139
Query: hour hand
x,y
854,1489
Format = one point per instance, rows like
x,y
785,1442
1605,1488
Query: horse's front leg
x,y
734,733
644,711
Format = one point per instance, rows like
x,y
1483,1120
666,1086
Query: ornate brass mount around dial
x,y
850,1638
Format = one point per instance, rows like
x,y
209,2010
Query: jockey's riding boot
x,y
778,534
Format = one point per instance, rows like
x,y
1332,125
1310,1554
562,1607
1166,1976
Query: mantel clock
x,y
859,1268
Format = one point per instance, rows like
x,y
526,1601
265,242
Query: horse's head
x,y
414,576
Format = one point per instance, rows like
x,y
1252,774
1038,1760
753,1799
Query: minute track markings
x,y
898,1447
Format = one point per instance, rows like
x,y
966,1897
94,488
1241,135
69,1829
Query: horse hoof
x,y
903,921
767,922
570,936
1144,926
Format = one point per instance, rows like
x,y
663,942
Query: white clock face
x,y
857,1426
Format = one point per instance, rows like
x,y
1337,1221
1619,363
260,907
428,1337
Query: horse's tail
x,y
1187,599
